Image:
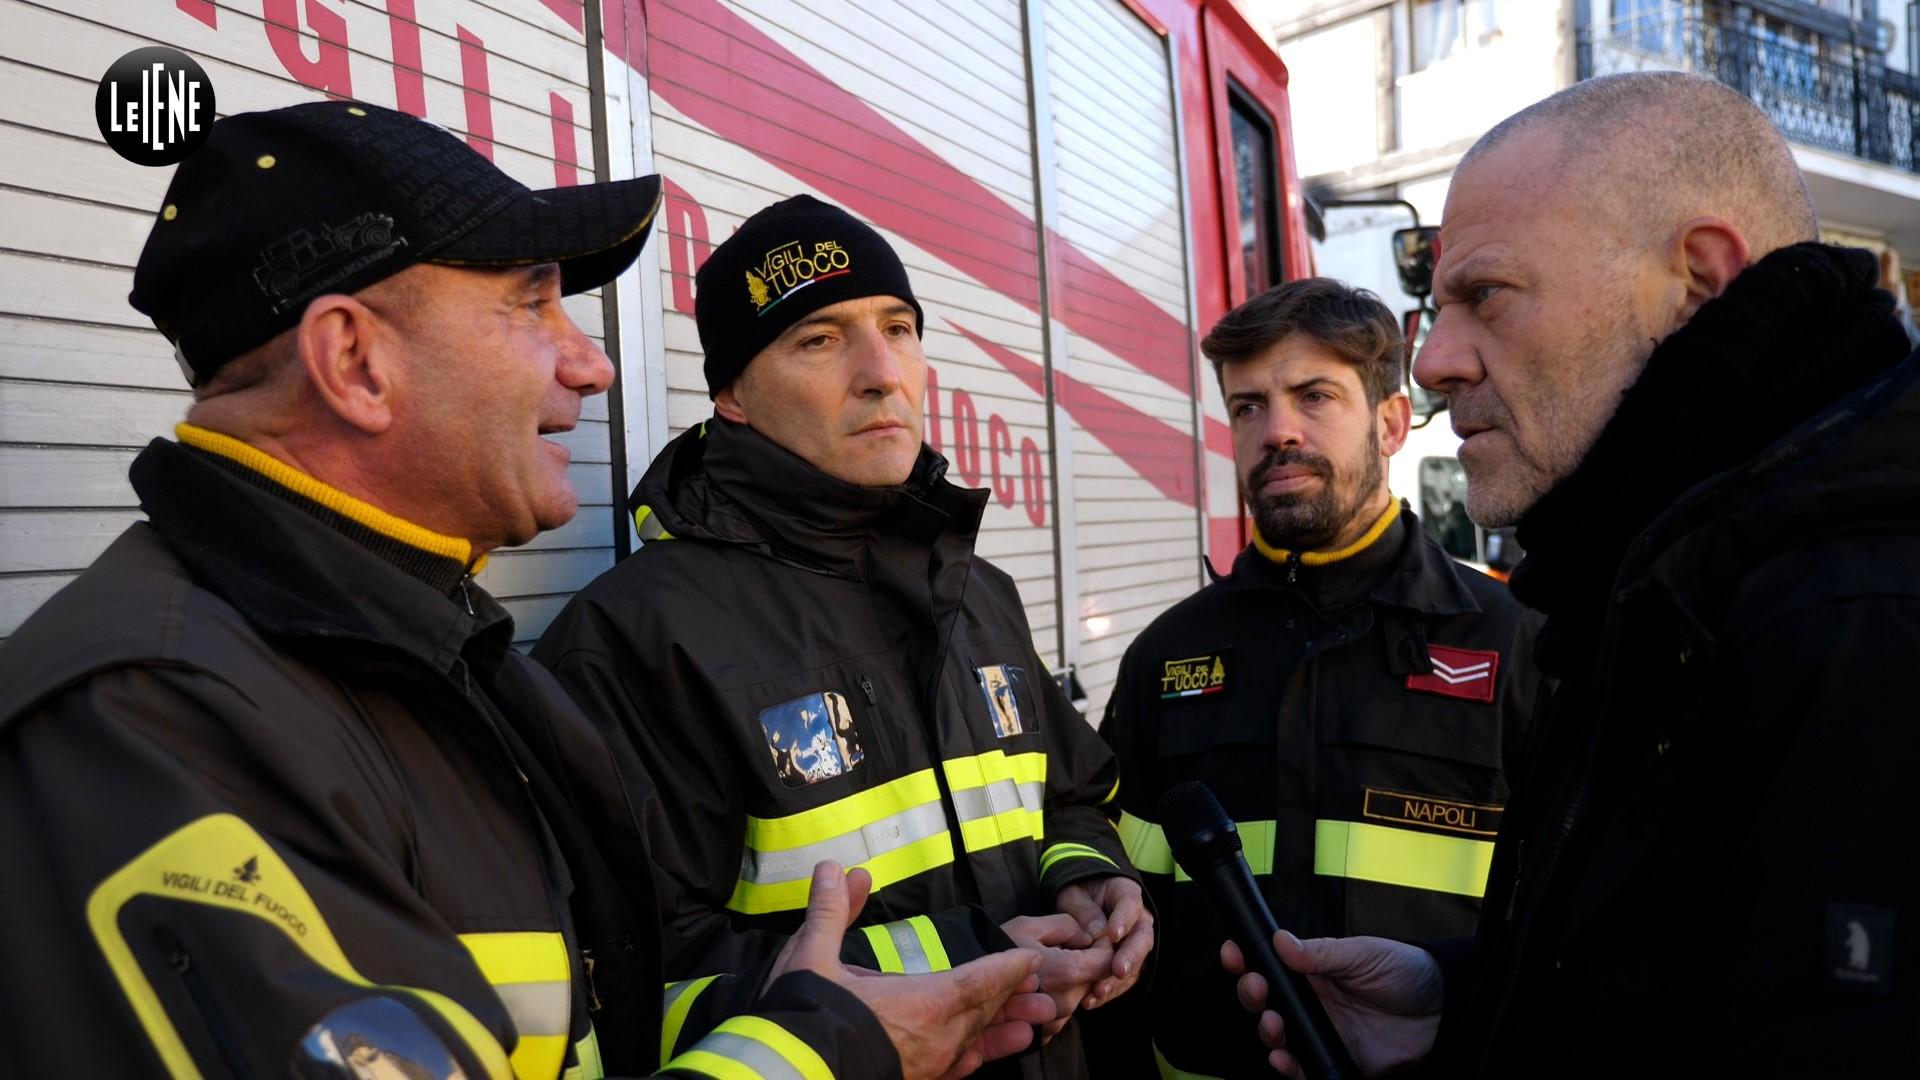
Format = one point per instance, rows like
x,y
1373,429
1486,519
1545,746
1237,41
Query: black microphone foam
x,y
1207,846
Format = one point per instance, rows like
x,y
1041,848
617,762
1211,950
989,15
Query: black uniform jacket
x,y
257,800
811,670
1356,718
1704,870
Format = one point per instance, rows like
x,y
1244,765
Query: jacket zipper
x,y
181,962
866,687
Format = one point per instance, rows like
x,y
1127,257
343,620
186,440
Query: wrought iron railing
x,y
1823,92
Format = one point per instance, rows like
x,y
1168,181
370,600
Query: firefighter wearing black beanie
x,y
787,262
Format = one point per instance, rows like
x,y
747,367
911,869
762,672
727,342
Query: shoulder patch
x,y
812,738
1459,673
1194,676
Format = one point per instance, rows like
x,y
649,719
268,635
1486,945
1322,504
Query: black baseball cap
x,y
281,206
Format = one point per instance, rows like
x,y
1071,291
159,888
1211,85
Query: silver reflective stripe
x,y
752,1053
913,955
848,849
998,797
538,1008
1034,795
674,993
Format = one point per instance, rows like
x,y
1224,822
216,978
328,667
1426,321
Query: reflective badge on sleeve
x,y
1459,673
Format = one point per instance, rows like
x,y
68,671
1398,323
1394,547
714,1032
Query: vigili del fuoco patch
x,y
1194,676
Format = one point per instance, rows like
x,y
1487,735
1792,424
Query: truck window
x,y
1253,158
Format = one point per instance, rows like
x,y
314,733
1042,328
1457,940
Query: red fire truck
x,y
1078,187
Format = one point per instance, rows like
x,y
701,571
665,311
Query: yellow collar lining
x,y
332,498
1322,558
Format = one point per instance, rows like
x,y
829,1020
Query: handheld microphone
x,y
1207,847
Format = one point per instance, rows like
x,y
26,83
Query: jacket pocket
x,y
173,953
821,733
1446,731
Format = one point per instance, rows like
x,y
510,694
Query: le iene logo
x,y
790,267
154,106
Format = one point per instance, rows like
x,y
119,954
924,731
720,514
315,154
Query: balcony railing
x,y
1825,93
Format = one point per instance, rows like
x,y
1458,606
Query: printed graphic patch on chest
x,y
999,684
1194,676
812,738
1460,673
1401,808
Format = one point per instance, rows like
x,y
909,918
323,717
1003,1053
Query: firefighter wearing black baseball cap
x,y
811,660
268,786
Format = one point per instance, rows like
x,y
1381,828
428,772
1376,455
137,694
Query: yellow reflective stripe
x,y
1417,860
753,1048
679,997
707,1063
844,815
657,532
1061,852
1019,823
885,956
1112,792
1145,844
209,849
520,956
1147,848
1168,1072
532,972
586,1057
1022,822
929,936
980,770
539,1055
933,852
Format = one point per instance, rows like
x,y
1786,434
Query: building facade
x,y
1388,94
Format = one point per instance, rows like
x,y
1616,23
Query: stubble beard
x,y
1505,492
1311,521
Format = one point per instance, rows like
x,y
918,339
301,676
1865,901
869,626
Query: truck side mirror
x,y
1426,404
1415,251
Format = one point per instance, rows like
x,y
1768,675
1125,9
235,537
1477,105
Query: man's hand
x,y
1070,960
1112,908
1383,997
944,1025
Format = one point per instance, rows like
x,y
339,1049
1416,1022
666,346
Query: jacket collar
x,y
1791,335
1409,570
726,482
299,559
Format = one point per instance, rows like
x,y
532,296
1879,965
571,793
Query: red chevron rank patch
x,y
1459,673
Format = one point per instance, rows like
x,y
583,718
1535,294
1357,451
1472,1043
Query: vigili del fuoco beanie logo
x,y
154,106
785,263
789,268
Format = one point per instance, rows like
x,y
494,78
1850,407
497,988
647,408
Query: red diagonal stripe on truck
x,y
720,70
1155,449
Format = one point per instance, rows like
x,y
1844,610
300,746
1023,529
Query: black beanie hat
x,y
787,262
